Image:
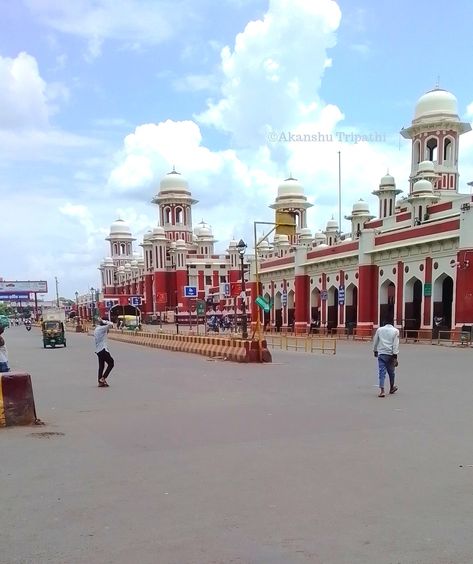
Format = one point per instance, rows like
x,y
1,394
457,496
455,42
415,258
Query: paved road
x,y
189,461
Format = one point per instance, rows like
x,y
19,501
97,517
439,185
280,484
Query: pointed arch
x,y
413,303
442,296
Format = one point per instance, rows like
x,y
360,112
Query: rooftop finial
x,y
437,85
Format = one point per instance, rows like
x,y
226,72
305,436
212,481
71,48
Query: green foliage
x,y
5,309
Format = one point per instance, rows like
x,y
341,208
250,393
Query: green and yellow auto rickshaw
x,y
53,333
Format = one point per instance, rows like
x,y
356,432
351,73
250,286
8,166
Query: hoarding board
x,y
38,286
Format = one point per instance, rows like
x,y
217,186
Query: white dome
x,y
180,243
426,166
387,180
264,244
361,207
437,102
332,224
290,187
319,236
203,230
283,239
232,244
305,232
121,268
108,261
322,245
120,227
422,186
158,231
173,182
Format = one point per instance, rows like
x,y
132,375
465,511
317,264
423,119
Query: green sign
x,y
263,304
200,307
427,290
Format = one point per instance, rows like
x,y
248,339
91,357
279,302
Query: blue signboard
x,y
190,291
284,298
14,296
341,295
135,301
109,304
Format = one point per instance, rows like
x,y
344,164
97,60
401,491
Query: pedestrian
x,y
386,349
101,350
3,352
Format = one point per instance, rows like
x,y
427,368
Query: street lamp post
x,y
77,306
92,292
241,248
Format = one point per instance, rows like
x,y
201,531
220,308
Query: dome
x,y
232,244
290,187
120,227
203,230
322,245
426,166
121,268
332,224
108,261
422,186
305,232
319,236
387,180
158,231
180,243
264,244
437,102
361,207
173,182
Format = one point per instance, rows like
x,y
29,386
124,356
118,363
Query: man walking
x,y
386,349
3,352
100,335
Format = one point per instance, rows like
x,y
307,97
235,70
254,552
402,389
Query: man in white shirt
x,y
3,352
386,349
100,335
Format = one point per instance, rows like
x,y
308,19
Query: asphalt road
x,y
184,460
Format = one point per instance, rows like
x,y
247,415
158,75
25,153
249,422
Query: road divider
x,y
304,344
236,350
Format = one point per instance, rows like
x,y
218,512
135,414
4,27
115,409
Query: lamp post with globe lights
x,y
241,248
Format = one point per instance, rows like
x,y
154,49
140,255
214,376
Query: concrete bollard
x,y
16,400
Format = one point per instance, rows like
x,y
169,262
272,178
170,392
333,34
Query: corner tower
x,y
435,132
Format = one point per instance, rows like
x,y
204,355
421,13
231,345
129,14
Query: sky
x,y
99,99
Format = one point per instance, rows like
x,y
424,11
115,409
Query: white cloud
x,y
133,22
274,68
23,94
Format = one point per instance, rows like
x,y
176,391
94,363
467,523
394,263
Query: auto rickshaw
x,y
53,333
130,322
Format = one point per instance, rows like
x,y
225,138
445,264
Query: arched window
x,y
448,150
179,215
167,215
390,206
385,208
431,149
416,152
122,248
115,249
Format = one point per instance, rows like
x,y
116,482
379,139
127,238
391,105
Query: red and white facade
x,y
412,263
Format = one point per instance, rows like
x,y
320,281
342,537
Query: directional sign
x,y
341,295
200,307
263,304
135,301
12,297
109,304
190,291
284,298
324,295
427,289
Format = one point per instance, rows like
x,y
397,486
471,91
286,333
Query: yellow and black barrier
x,y
16,400
228,348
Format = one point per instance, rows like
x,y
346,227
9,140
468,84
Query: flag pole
x,y
339,193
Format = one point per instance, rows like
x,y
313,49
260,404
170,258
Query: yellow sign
x,y
285,223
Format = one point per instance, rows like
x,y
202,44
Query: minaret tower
x,y
435,132
387,193
121,243
291,202
360,214
175,207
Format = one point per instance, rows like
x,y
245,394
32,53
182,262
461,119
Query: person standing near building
x,y
101,350
386,349
3,352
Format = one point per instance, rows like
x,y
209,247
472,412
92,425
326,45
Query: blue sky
x,y
98,98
